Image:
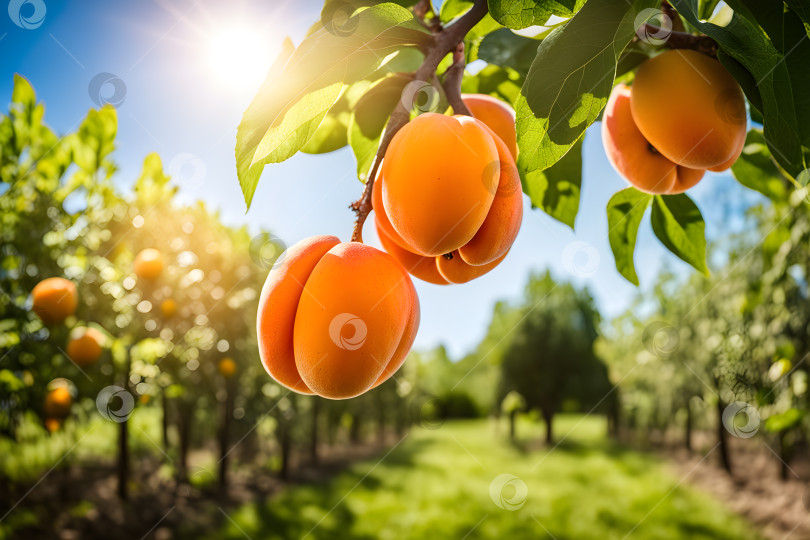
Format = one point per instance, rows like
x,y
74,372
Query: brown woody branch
x,y
452,81
682,40
442,42
672,15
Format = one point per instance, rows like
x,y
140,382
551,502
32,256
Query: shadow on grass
x,y
315,509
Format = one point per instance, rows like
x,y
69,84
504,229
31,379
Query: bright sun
x,y
239,57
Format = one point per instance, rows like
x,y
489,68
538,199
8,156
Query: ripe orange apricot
x,y
335,319
57,403
441,174
168,307
455,270
227,367
85,345
689,108
148,264
418,266
633,156
501,226
497,115
423,198
55,299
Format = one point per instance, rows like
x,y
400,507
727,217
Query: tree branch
x,y
452,81
683,40
443,42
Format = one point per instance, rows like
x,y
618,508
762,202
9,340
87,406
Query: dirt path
x,y
780,508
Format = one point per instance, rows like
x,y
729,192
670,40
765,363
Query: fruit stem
x,y
443,41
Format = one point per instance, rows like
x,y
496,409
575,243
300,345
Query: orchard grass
x,y
436,484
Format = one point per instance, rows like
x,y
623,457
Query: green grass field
x,y
436,484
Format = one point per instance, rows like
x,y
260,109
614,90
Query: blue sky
x,y
186,88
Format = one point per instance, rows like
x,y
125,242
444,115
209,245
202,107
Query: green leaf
x,y
304,83
370,117
779,63
332,134
501,82
783,421
624,212
517,14
297,126
677,222
95,139
505,48
23,93
570,80
756,169
453,8
556,190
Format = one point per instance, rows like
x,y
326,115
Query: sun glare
x,y
239,57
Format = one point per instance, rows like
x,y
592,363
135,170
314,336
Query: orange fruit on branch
x,y
335,319
431,203
634,157
227,367
495,114
148,264
168,307
689,108
54,299
57,403
85,345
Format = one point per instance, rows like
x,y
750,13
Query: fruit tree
x,y
682,87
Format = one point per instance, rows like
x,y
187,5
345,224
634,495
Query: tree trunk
x,y
614,414
380,422
286,443
123,459
548,418
512,418
722,438
165,421
185,439
688,428
355,431
313,442
224,436
123,440
784,455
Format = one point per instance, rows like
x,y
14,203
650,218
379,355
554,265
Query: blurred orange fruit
x,y
168,307
57,403
227,367
148,264
55,299
85,345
